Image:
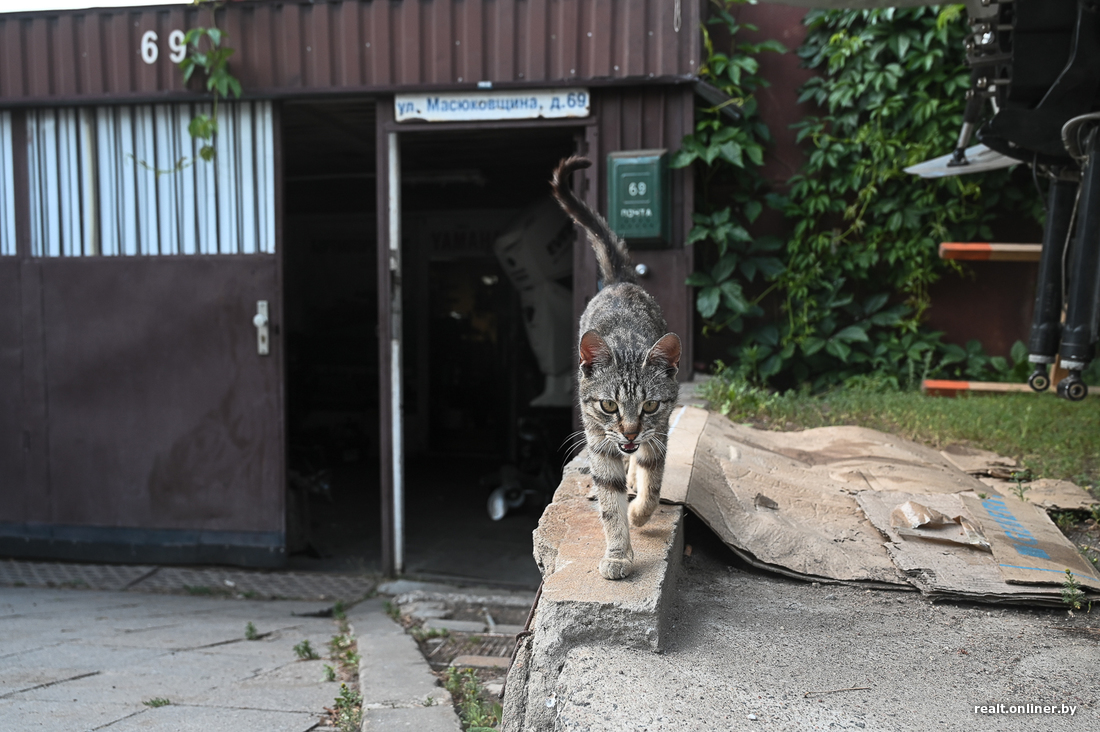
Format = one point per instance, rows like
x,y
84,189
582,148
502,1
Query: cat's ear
x,y
666,353
593,351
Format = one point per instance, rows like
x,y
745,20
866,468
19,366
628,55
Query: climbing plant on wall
x,y
212,58
730,151
863,251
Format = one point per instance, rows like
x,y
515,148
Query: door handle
x,y
260,320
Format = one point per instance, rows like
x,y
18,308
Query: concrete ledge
x,y
578,606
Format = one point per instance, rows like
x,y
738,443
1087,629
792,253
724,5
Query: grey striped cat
x,y
626,383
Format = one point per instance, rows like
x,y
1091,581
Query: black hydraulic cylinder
x,y
1046,323
1078,344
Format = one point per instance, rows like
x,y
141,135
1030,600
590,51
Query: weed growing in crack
x,y
305,651
330,673
250,632
348,710
1071,593
1019,489
393,611
474,710
158,701
422,634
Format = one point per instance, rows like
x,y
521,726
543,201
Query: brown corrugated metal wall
x,y
350,45
639,119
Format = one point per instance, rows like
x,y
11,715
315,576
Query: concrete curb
x,y
399,690
579,606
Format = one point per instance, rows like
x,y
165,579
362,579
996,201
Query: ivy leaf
x,y
838,349
699,279
706,302
748,268
769,266
731,153
733,298
852,333
875,302
725,267
812,345
752,209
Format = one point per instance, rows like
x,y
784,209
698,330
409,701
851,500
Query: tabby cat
x,y
626,383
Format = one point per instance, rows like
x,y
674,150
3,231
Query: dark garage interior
x,y
469,370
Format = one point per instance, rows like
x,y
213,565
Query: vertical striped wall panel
x,y
7,188
128,180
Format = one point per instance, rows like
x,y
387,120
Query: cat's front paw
x,y
615,568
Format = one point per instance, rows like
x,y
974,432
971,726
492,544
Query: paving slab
x,y
89,659
204,719
392,671
422,719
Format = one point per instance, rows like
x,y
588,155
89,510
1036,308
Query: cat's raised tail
x,y
611,251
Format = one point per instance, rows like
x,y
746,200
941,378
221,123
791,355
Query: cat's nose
x,y
630,435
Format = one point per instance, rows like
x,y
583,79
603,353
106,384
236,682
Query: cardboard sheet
x,y
780,514
1028,547
855,505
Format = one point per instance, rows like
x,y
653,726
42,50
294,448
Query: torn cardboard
x,y
818,504
1028,547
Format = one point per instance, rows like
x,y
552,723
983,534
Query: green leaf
x,y
852,333
875,302
838,349
699,279
1019,352
752,209
706,302
769,266
732,297
812,345
725,267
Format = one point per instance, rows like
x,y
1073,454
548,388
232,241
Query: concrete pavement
x,y
87,660
749,651
84,660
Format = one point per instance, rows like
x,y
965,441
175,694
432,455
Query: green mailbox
x,y
638,197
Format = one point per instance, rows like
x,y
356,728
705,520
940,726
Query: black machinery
x,y
1037,63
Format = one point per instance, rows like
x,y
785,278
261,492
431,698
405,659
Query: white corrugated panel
x,y
129,181
7,189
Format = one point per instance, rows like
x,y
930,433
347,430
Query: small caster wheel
x,y
1073,388
1039,381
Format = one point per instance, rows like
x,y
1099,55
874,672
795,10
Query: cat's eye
x,y
649,407
609,405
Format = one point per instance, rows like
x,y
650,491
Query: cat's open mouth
x,y
629,447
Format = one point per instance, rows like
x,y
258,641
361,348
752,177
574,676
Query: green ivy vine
x,y
733,193
213,59
851,283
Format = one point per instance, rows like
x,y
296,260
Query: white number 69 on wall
x,y
150,52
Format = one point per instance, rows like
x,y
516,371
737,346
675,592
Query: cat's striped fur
x,y
626,383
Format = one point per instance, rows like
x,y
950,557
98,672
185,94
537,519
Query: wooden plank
x,y
950,388
990,251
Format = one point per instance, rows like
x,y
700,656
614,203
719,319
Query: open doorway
x,y
484,429
470,374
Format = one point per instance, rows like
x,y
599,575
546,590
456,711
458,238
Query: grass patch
x,y
155,702
1051,437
